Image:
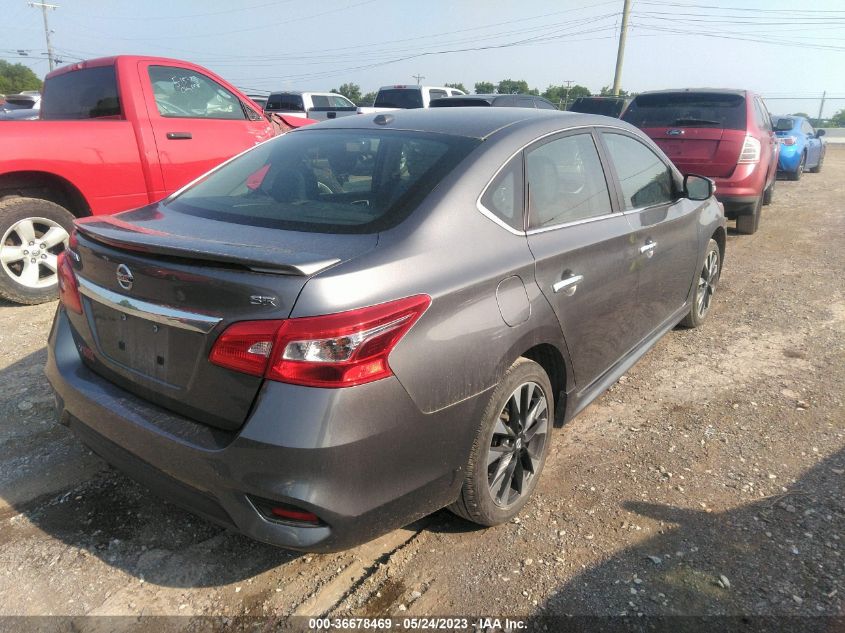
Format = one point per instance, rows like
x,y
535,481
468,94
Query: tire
x,y
799,171
521,450
705,287
818,167
28,265
748,224
769,193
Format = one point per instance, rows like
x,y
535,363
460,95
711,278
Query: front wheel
x,y
34,232
510,447
818,167
708,279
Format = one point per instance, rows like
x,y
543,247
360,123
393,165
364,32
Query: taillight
x,y
788,140
336,350
68,285
750,151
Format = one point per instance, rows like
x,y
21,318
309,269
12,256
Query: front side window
x,y
645,179
338,101
436,94
187,94
327,181
504,196
89,93
566,182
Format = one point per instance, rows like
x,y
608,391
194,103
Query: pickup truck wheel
x,y
510,447
34,232
747,224
705,288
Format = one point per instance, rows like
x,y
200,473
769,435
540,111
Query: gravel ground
x,y
707,481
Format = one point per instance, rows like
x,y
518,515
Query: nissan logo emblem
x,y
124,277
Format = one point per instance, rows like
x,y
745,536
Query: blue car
x,y
801,146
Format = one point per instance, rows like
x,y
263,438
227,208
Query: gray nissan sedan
x,y
363,321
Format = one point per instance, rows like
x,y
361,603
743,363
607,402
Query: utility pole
x,y
418,78
568,83
821,107
44,7
620,55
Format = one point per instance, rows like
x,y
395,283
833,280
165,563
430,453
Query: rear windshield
x,y
457,102
605,107
327,181
89,93
284,101
783,123
687,109
399,98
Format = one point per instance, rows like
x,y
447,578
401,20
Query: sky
x,y
790,56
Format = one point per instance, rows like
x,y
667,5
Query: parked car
x,y
499,101
116,133
401,97
726,135
313,105
23,101
801,146
606,106
301,347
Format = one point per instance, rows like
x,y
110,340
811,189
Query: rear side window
x,y
542,104
327,181
688,109
504,196
90,93
526,102
645,179
399,98
186,94
566,182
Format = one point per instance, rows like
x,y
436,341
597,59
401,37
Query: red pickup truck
x,y
115,133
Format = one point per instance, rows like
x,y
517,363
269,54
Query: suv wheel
x,y
769,193
708,279
510,447
747,224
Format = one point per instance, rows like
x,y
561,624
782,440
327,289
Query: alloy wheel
x,y
29,251
707,282
516,448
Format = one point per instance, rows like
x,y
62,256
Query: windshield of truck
x,y
327,181
404,98
88,93
687,109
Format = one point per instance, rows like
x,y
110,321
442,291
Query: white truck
x,y
403,97
311,105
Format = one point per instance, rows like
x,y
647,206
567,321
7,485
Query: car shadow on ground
x,y
777,556
61,489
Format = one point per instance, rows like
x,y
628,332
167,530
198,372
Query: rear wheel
x,y
510,447
34,232
748,223
769,193
708,279
799,171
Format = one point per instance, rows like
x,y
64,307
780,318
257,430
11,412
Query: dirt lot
x,y
709,480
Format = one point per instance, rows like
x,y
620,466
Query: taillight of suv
x,y
750,152
336,350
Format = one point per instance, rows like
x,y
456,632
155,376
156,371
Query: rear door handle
x,y
179,136
647,249
569,285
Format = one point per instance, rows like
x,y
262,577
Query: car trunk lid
x,y
704,151
159,288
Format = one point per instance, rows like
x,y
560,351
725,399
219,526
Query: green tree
x,y
559,94
350,91
16,78
458,85
367,100
803,114
607,91
484,88
515,86
838,119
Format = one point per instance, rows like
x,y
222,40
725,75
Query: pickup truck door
x,y
197,121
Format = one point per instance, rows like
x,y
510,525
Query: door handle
x,y
179,136
647,249
569,285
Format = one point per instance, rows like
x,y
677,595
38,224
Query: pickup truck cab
x,y
403,97
114,134
313,105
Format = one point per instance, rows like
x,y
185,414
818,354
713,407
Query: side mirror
x,y
820,133
698,187
784,125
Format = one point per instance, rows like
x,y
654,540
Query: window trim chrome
x,y
165,315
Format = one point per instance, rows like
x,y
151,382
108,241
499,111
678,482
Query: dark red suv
x,y
726,135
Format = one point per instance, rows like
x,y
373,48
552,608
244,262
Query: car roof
x,y
469,122
732,91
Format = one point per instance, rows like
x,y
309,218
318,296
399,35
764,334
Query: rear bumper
x,y
363,459
789,158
